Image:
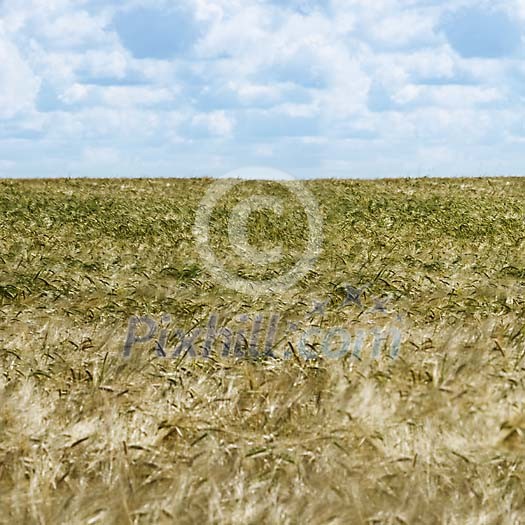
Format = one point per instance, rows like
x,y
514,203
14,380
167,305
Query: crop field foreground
x,y
387,384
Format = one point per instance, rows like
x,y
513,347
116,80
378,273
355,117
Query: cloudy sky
x,y
338,88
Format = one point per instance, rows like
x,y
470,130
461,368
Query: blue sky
x,y
320,88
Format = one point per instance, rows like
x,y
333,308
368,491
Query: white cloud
x,y
217,122
135,96
451,96
402,28
399,68
75,93
297,110
255,92
112,63
520,8
18,85
74,29
110,125
241,34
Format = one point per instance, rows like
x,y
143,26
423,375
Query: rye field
x,y
383,386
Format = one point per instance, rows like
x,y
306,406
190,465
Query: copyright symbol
x,y
276,203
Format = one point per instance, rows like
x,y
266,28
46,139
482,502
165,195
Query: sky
x,y
317,88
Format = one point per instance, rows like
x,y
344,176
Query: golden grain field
x,y
430,431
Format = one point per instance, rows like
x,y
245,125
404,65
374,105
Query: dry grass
x,y
434,436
